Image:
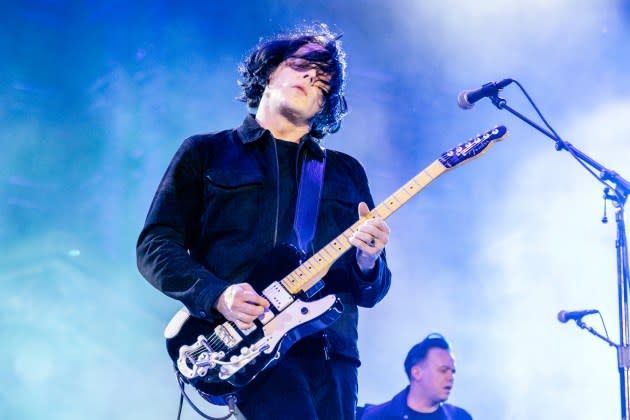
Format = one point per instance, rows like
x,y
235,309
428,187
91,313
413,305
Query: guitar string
x,y
214,342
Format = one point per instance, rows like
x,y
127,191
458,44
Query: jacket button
x,y
203,314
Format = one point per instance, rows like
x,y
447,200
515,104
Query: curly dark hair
x,y
268,54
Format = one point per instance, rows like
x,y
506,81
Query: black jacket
x,y
396,409
215,214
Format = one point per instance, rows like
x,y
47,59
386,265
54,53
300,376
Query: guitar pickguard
x,y
279,328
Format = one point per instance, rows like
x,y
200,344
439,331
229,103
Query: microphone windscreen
x,y
462,100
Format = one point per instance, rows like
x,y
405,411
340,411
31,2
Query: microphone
x,y
467,98
565,316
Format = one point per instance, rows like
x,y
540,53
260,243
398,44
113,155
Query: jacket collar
x,y
251,131
399,402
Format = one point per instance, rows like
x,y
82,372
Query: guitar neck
x,y
313,269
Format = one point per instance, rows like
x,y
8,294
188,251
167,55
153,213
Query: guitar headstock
x,y
473,148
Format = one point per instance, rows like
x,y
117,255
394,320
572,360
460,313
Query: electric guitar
x,y
219,358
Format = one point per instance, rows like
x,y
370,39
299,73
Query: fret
x,y
347,234
402,196
293,289
289,281
343,240
411,189
309,268
300,273
314,262
423,179
392,201
323,256
381,211
336,245
332,255
321,259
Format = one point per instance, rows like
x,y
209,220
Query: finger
x,y
249,295
367,238
380,224
243,325
378,229
363,209
375,225
363,243
245,305
246,318
372,247
372,236
369,231
254,298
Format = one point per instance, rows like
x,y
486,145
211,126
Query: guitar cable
x,y
230,399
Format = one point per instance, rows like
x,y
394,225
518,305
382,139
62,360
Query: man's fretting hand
x,y
370,239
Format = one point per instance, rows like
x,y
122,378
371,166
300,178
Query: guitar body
x,y
218,358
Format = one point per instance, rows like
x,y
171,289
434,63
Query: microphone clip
x,y
498,101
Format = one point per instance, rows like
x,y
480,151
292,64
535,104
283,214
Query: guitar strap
x,y
308,198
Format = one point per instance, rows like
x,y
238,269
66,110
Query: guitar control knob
x,y
244,351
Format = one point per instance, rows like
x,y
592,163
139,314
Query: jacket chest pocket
x,y
234,199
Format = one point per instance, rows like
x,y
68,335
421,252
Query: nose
x,y
311,75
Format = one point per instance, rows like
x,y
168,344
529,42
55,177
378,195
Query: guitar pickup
x,y
277,296
227,334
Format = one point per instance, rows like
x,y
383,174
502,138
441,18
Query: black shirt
x,y
438,414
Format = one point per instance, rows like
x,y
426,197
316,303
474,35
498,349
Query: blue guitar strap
x,y
308,198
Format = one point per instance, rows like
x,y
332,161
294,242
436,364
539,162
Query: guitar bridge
x,y
195,360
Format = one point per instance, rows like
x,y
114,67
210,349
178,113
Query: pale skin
x,y
291,98
431,381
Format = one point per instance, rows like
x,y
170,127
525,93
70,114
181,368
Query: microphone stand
x,y
620,189
583,325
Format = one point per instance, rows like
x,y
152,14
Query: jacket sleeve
x,y
370,288
392,409
171,226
